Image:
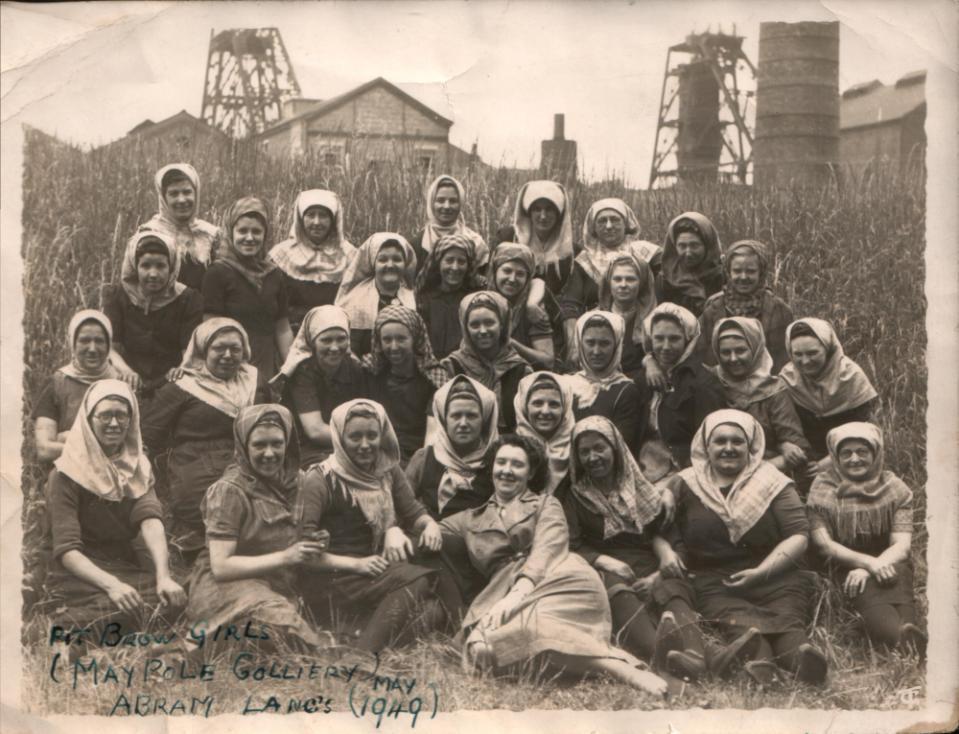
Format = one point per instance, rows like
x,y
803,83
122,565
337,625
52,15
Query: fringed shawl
x,y
73,370
227,396
595,257
735,303
434,231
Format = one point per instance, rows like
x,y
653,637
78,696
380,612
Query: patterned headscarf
x,y
842,385
751,305
486,371
426,362
227,396
558,444
674,271
429,278
759,384
560,244
460,471
646,299
256,267
433,231
595,257
857,508
74,370
83,460
513,252
194,239
130,278
751,492
315,322
634,502
588,382
358,294
300,258
370,490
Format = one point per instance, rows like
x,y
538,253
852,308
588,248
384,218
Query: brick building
x,y
181,133
371,125
883,123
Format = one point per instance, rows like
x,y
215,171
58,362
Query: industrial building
x,y
181,133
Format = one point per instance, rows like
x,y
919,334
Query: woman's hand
x,y
174,374
431,538
536,315
396,545
132,379
671,566
303,551
794,456
502,610
644,586
371,566
126,598
617,568
884,573
741,579
170,592
855,582
655,377
669,505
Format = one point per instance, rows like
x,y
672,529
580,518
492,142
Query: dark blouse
x,y
328,505
633,352
666,293
440,311
555,276
816,428
696,392
153,343
60,400
407,401
775,317
508,385
101,529
580,294
227,293
424,473
706,537
304,295
175,417
777,416
192,273
621,403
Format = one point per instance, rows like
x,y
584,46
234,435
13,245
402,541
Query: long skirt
x,y
567,612
192,468
898,593
781,604
643,561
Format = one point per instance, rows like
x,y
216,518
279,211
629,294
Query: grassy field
x,y
849,251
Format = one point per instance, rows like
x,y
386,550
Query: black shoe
x,y
721,657
764,672
669,638
813,666
911,638
685,664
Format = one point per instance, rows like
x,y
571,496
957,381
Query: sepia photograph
x,y
454,365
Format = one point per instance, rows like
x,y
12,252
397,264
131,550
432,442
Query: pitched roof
x,y
336,102
873,103
181,116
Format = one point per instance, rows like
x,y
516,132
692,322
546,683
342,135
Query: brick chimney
x,y
558,156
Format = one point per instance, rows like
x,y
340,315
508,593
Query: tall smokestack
x,y
558,156
559,123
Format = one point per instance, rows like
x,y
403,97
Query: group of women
x,y
583,455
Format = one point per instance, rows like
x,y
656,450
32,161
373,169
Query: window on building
x,y
425,162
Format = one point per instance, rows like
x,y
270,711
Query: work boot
x,y
669,638
685,664
719,658
764,672
813,666
911,638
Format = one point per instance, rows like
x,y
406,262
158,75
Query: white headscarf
x,y
358,294
595,257
130,277
434,231
83,460
588,382
195,237
300,258
558,444
73,370
227,396
316,321
559,246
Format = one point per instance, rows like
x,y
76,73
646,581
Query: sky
x,y
88,72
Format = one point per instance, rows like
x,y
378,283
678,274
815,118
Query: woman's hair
x,y
802,329
535,453
119,398
267,419
87,322
598,322
219,333
548,201
446,183
462,391
256,215
667,317
543,383
392,243
151,246
687,225
171,177
360,411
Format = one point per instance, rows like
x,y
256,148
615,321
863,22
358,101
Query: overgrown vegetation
x,y
850,251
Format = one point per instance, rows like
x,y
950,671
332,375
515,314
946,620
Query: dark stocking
x,y
786,648
882,624
632,625
688,625
392,620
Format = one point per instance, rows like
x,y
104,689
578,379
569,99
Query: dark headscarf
x,y
257,267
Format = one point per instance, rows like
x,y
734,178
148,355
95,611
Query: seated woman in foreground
x,y
246,573
617,523
362,499
101,503
745,532
541,600
861,517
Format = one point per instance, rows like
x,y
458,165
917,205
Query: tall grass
x,y
850,251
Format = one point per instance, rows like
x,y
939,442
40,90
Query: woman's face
x,y
595,455
266,448
464,424
599,347
180,197
545,410
744,273
510,472
110,421
610,228
330,347
669,342
396,343
855,458
225,355
153,272
361,439
388,268
727,450
690,249
91,347
809,355
249,234
734,356
453,266
446,205
511,278
624,284
544,215
483,327
318,223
